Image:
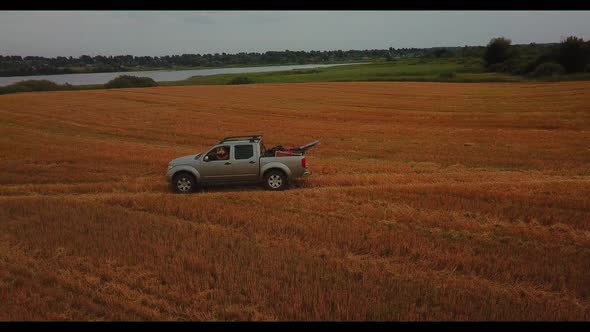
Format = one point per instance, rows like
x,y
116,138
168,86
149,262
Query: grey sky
x,y
156,33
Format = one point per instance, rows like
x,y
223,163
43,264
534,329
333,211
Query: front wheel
x,y
184,183
275,180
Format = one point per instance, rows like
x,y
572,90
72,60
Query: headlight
x,y
169,167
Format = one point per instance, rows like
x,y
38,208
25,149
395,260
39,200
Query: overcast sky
x,y
156,33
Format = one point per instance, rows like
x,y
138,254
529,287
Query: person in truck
x,y
222,153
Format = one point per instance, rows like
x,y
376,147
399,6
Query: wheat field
x,y
428,201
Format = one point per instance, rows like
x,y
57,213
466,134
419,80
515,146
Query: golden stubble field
x,y
429,201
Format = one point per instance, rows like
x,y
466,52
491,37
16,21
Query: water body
x,y
157,75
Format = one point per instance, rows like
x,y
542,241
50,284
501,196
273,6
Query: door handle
x,y
228,163
252,162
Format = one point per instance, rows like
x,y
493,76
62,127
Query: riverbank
x,y
156,75
124,69
405,70
417,70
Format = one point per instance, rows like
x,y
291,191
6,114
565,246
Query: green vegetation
x,y
241,80
447,70
15,65
32,85
41,85
499,61
571,56
574,54
44,85
127,81
548,69
447,75
499,56
498,51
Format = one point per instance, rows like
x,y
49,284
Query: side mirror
x,y
206,158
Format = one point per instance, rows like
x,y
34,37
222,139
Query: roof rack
x,y
251,138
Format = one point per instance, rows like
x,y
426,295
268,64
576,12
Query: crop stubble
x,y
428,201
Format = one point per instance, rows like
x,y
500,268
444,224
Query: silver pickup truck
x,y
239,159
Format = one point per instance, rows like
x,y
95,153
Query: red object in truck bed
x,y
286,153
296,151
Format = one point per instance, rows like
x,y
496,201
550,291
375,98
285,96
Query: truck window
x,y
219,153
244,151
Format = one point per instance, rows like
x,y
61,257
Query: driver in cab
x,y
221,153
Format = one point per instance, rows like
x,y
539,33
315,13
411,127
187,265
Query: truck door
x,y
245,163
217,164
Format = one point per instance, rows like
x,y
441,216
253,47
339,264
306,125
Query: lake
x,y
157,75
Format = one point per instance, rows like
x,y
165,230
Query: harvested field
x,y
428,201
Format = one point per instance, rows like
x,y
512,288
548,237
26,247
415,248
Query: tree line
x,y
14,65
570,56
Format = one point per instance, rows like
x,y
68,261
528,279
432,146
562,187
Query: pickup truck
x,y
239,159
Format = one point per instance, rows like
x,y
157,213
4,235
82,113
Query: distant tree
x,y
127,81
497,51
86,59
31,85
241,80
441,53
573,54
548,69
447,75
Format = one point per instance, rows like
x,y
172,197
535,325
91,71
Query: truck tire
x,y
184,183
275,180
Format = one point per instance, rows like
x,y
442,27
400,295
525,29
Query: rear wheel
x,y
184,183
275,180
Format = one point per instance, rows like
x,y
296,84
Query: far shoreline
x,y
182,68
